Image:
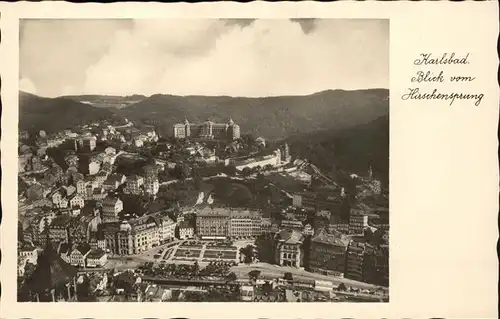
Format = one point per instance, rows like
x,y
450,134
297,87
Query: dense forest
x,y
354,149
269,117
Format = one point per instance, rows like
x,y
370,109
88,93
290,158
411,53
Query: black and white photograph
x,y
203,160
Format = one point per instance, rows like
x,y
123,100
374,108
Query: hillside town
x,y
115,212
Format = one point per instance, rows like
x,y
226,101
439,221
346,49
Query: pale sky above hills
x,y
202,57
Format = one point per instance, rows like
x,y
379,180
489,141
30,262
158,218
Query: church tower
x,y
187,128
285,153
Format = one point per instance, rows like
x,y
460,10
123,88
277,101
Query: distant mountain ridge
x,y
114,101
271,117
56,114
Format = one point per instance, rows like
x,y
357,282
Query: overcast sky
x,y
202,57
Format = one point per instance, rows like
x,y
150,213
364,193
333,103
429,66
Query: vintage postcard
x,y
321,160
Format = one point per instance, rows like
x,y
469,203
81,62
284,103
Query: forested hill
x,y
353,149
270,117
53,115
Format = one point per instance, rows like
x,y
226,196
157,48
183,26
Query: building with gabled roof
x,y
113,181
288,248
29,252
111,207
96,258
79,255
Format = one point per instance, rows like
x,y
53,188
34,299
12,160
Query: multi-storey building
x,y
328,254
79,255
150,172
339,226
297,200
134,185
358,221
121,241
375,269
379,274
288,248
145,232
76,200
81,186
89,191
38,229
355,260
114,234
379,218
186,231
273,160
375,186
97,240
63,203
107,167
100,178
57,197
113,182
137,235
96,258
152,187
99,194
58,230
29,252
291,224
212,222
207,130
167,227
245,223
77,230
101,243
111,207
266,222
